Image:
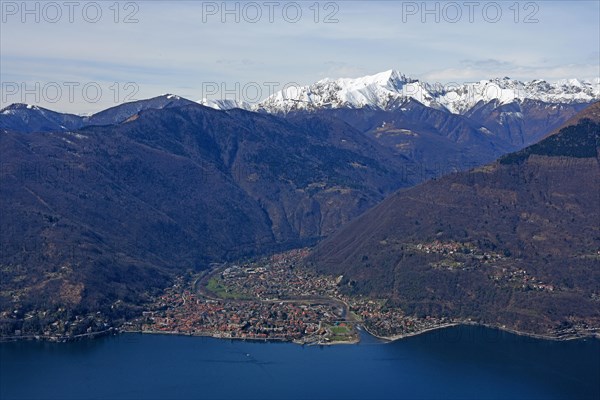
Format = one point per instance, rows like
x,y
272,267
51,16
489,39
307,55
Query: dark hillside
x,y
514,243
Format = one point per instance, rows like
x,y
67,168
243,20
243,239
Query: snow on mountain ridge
x,y
225,104
390,89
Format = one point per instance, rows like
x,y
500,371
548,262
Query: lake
x,y
464,362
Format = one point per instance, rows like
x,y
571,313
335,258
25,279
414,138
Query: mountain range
x,y
415,119
27,118
390,89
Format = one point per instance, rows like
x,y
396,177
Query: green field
x,y
215,286
341,333
341,330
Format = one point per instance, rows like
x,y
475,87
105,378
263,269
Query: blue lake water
x,y
454,363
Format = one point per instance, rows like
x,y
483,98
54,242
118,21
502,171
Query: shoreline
x,y
386,339
538,336
411,334
59,339
534,335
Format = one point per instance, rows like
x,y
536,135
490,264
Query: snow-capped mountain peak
x,y
19,106
390,79
382,90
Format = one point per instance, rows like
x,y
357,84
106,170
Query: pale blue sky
x,y
181,47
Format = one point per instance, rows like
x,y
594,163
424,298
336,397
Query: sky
x,y
84,56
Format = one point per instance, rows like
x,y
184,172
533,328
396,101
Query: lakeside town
x,y
275,298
